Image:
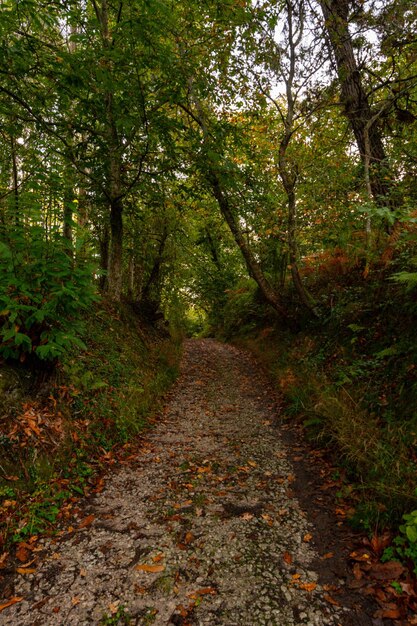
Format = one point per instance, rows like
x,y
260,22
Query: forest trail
x,y
201,529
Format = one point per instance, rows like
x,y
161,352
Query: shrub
x,y
42,295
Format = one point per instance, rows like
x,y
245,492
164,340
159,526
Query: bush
x,y
42,295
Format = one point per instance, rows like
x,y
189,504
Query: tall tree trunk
x,y
15,180
115,266
155,273
355,100
104,243
287,173
289,182
213,179
114,173
253,266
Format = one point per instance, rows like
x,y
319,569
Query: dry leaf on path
x,y
308,537
202,592
247,516
307,586
287,558
152,569
23,570
390,612
10,602
3,559
87,521
331,600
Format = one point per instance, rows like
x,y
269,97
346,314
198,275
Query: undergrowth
x,y
59,430
351,380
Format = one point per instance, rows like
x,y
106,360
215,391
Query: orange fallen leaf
x,y
158,558
253,463
340,512
328,555
331,600
22,553
389,613
308,537
10,602
75,600
307,586
202,592
356,556
296,576
153,569
287,558
3,559
23,570
189,537
357,571
86,521
247,516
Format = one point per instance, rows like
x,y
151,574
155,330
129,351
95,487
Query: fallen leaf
x,y
86,522
22,553
23,570
287,558
388,613
83,572
328,555
202,592
357,556
331,600
3,559
307,586
253,463
340,512
189,537
387,571
158,558
10,602
380,542
75,600
113,607
296,576
247,516
153,569
308,537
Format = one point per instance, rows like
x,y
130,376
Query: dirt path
x,y
203,530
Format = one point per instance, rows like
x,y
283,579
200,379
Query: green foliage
x,y
408,279
405,545
43,294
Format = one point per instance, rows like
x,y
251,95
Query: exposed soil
x,y
220,520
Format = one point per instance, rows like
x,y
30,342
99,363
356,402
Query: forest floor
x,y
222,518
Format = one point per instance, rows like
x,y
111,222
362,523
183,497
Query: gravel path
x,y
204,530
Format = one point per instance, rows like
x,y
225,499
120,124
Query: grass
x,y
60,432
